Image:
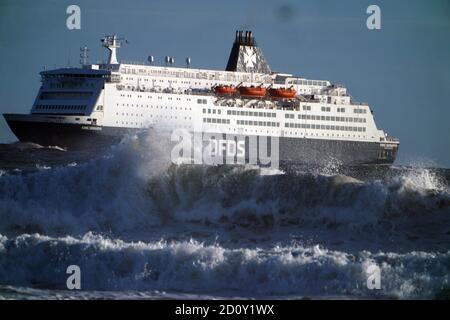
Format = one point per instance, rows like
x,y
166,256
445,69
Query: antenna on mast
x,y
84,55
112,43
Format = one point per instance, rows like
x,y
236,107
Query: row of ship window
x,y
325,135
148,80
47,76
292,116
225,76
151,116
151,106
60,107
324,118
258,123
216,120
213,111
70,85
242,113
339,109
65,95
308,82
251,113
324,127
161,81
288,115
159,97
131,114
140,124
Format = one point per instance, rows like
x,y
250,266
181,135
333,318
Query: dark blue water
x,y
139,227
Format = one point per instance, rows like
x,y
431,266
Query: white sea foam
x,y
190,266
48,218
42,167
133,188
56,148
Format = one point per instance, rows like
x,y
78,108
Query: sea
x,y
140,227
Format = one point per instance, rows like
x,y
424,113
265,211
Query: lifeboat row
x,y
286,93
256,92
252,91
225,90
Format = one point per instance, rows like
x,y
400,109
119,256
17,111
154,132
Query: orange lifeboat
x,y
282,93
225,90
252,92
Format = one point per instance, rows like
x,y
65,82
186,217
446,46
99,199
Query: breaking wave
x,y
190,266
132,189
133,221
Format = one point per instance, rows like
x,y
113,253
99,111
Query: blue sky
x,y
402,70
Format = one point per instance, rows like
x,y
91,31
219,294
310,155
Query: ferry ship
x,y
97,104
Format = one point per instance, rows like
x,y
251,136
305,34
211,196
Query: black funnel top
x,y
246,56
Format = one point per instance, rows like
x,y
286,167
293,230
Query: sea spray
x,y
135,222
131,188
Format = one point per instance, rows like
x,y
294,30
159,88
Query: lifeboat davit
x,y
253,92
225,90
282,93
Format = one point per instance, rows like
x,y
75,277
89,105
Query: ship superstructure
x,y
100,103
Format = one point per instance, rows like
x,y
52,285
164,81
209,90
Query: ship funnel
x,y
246,56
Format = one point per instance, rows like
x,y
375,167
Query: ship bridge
x,y
74,73
70,91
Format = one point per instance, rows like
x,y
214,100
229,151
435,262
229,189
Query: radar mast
x,y
112,43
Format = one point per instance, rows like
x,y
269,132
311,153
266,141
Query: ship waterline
x,y
289,150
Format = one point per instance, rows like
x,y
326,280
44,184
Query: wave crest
x,y
190,266
132,188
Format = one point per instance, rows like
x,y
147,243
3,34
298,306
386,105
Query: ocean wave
x,y
31,145
26,145
42,167
193,267
136,223
217,192
133,188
